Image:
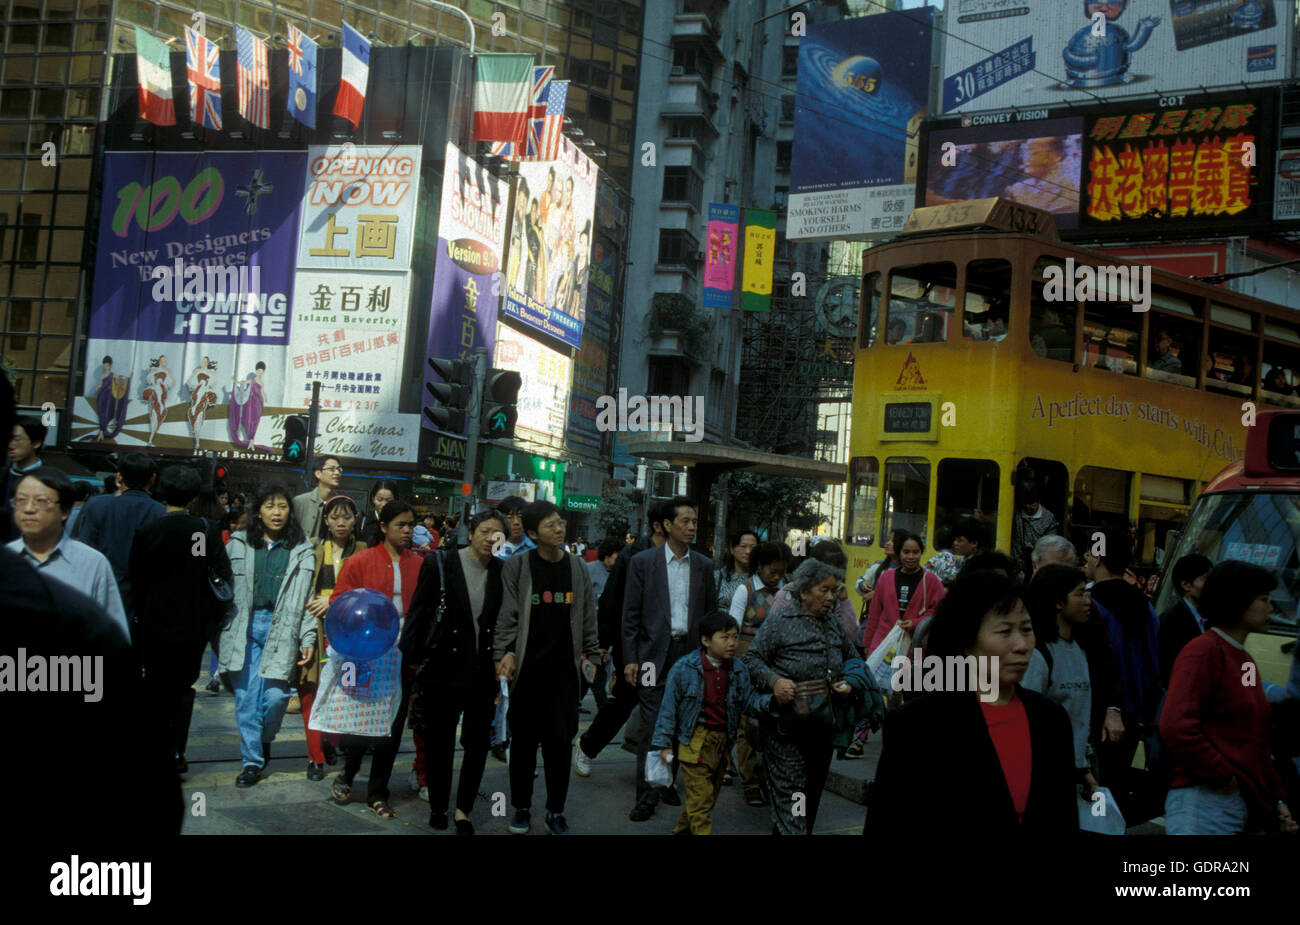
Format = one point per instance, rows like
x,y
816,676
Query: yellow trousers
x,y
702,765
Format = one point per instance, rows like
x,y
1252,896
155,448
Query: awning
x,y
733,458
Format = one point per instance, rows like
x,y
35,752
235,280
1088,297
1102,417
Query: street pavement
x,y
286,803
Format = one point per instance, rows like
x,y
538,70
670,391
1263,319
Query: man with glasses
x,y
42,503
308,506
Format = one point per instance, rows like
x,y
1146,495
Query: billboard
x,y
1286,195
862,90
189,316
544,392
591,362
550,244
359,213
1008,53
720,257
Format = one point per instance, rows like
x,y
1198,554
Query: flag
x,y
153,69
254,79
501,96
550,128
536,112
356,74
302,77
203,71
760,256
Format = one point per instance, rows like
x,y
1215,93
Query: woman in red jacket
x,y
906,596
1215,721
392,569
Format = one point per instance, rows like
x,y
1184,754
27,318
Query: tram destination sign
x,y
908,417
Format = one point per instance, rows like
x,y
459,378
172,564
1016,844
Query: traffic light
x,y
295,438
500,394
454,394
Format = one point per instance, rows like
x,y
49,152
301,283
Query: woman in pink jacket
x,y
905,596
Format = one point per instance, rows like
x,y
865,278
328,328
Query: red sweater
x,y
373,568
1214,725
884,614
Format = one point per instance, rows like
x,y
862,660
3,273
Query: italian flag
x,y
154,69
503,87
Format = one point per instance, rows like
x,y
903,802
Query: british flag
x,y
203,71
254,79
536,113
294,45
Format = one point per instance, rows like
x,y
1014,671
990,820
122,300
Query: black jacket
x,y
609,609
1177,628
108,523
174,604
421,641
939,772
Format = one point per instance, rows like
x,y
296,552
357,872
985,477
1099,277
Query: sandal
x,y
341,789
381,809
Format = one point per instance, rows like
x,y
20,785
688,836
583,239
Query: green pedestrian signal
x,y
295,438
500,394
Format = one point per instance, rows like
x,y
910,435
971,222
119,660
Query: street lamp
x,y
447,6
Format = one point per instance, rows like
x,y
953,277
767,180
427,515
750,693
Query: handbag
x,y
813,705
223,591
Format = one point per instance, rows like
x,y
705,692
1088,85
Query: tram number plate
x,y
911,417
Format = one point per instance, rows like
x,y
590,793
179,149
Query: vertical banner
x,y
189,313
862,93
760,257
360,208
720,256
466,280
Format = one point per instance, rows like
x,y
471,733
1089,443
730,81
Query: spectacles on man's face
x,y
39,502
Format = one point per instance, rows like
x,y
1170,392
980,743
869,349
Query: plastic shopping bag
x,y
500,733
1101,814
658,773
880,663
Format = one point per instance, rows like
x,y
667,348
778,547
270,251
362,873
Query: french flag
x,y
356,73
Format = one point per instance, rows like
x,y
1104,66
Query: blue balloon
x,y
362,624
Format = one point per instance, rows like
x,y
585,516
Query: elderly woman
x,y
808,662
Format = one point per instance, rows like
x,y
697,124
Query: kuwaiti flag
x,y
502,87
356,74
203,71
302,77
153,67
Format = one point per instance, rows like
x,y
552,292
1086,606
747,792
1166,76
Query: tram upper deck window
x,y
871,310
1173,340
1230,364
864,500
988,300
1051,321
1281,383
921,303
1110,336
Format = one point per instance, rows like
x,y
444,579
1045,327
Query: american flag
x,y
295,48
254,79
203,71
550,128
536,111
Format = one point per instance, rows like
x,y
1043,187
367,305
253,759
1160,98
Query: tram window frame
x,y
921,326
986,309
1184,331
913,520
871,290
868,469
1281,352
948,483
1157,509
1108,314
1085,519
1231,344
1066,310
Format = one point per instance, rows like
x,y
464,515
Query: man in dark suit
x,y
175,610
108,522
1182,623
669,589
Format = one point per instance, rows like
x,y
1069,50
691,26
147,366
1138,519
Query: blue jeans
x,y
259,701
1199,810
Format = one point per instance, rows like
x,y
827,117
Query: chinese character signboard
x,y
189,313
359,212
550,244
1009,53
760,257
862,91
1286,196
720,255
1200,162
544,393
348,333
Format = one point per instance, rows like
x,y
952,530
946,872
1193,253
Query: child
x,y
705,694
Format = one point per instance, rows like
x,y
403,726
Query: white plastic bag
x,y
880,663
1101,814
658,773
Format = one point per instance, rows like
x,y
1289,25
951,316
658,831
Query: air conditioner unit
x,y
677,70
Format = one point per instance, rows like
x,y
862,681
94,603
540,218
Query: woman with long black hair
x,y
268,629
736,568
382,492
448,639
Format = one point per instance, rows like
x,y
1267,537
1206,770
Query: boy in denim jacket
x,y
706,692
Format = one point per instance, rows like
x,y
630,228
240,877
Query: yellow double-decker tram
x,y
989,351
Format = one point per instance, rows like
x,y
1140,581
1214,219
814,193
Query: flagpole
x,y
458,10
